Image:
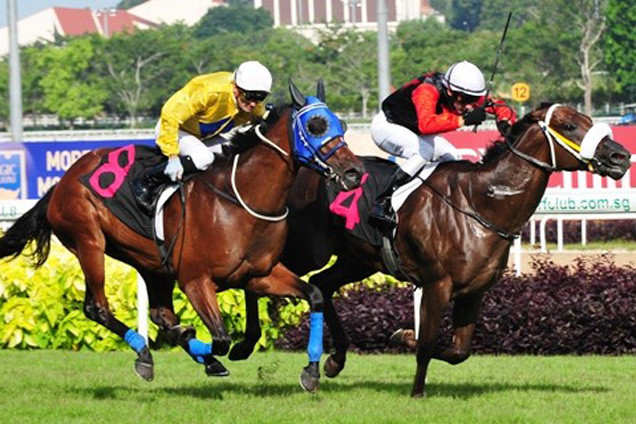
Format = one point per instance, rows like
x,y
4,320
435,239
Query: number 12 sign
x,y
520,92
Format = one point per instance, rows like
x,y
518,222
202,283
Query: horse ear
x,y
320,90
297,97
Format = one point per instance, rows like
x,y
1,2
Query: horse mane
x,y
242,141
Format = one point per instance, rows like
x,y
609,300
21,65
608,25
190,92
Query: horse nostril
x,y
619,157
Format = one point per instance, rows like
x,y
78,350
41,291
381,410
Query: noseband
x,y
583,153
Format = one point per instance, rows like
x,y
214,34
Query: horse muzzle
x,y
346,168
611,159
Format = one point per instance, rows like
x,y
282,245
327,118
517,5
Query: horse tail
x,y
32,226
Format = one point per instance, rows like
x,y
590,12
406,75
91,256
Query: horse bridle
x,y
583,152
319,159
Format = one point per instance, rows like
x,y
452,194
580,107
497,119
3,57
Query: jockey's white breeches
x,y
202,155
418,150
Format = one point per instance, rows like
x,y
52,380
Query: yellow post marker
x,y
520,92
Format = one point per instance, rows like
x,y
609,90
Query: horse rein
x,y
269,218
583,152
483,221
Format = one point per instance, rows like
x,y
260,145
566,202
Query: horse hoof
x,y
240,352
418,395
144,370
403,338
332,368
214,368
310,378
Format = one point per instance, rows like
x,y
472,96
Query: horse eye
x,y
570,127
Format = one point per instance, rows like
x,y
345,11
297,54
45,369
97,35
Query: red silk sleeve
x,y
502,111
425,98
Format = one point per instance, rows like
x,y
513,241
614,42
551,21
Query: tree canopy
x,y
620,42
130,76
233,18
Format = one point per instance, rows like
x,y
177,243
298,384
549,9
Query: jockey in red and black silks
x,y
413,117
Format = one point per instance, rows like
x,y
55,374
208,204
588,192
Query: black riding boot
x,y
380,214
144,187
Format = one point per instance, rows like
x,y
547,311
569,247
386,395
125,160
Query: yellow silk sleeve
x,y
183,105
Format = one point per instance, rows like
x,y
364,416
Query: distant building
x,y
64,21
361,13
171,11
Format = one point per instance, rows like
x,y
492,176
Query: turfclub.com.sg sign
x,y
587,201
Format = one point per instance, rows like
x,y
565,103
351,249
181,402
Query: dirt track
x,y
620,257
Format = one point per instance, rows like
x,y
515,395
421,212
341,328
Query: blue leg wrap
x,y
199,350
135,340
315,337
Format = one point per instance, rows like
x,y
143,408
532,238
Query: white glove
x,y
174,169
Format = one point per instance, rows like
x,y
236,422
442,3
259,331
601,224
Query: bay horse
x,y
454,232
218,244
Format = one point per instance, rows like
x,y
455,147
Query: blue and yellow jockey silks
x,y
204,107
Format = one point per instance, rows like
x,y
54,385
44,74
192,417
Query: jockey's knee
x,y
203,160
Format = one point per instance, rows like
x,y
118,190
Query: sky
x,y
29,7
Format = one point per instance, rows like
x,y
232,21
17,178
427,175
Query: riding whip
x,y
494,70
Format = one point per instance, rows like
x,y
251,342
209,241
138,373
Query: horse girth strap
x,y
483,221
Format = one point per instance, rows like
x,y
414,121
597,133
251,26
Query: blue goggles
x,y
315,125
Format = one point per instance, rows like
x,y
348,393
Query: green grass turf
x,y
86,387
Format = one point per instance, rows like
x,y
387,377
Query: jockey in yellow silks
x,y
206,107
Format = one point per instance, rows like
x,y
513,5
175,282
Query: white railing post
x,y
142,308
583,232
533,232
544,247
559,233
517,255
417,301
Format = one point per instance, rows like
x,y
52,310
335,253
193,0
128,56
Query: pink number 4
x,y
351,212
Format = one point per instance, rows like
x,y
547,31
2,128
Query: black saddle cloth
x,y
350,209
111,182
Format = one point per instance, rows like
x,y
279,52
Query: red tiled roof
x,y
120,21
75,21
83,21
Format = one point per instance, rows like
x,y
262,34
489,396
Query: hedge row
x,y
589,307
43,308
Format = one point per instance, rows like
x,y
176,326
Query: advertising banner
x,y
29,169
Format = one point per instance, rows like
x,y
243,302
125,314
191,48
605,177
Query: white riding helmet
x,y
464,77
253,76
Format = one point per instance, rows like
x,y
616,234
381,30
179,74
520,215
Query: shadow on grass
x,y
216,390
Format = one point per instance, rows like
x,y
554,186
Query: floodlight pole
x,y
384,63
15,83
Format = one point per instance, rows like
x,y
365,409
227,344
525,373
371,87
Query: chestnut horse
x,y
218,244
455,231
